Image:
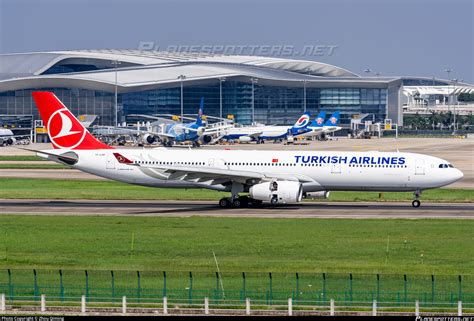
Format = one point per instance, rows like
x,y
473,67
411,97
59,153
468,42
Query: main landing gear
x,y
416,202
241,201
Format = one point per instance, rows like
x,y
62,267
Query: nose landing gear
x,y
416,202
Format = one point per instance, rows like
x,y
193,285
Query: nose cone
x,y
457,175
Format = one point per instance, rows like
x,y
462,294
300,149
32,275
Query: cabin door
x,y
420,167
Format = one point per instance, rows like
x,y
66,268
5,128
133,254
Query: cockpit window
x,y
445,166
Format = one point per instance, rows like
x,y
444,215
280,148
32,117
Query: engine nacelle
x,y
206,139
277,192
245,139
148,139
314,195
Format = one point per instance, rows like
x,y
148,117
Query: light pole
x,y
221,80
116,63
454,105
254,81
182,78
448,70
304,95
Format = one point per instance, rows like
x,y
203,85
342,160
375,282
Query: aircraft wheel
x,y
416,203
274,200
237,203
224,202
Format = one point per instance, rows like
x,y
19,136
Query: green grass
x,y
240,244
33,166
94,189
339,248
19,158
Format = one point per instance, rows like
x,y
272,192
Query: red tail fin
x,y
64,130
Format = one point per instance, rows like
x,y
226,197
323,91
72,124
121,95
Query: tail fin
x,y
64,130
300,125
333,120
200,112
319,120
303,121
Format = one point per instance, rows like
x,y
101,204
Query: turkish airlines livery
x,y
277,177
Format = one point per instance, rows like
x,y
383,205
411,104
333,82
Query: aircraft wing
x,y
209,174
255,135
158,119
163,135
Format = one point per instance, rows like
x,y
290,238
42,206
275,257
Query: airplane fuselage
x,y
328,171
258,132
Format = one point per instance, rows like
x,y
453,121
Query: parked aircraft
x,y
263,133
319,128
271,176
7,137
163,130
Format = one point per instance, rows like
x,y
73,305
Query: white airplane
x,y
7,137
262,133
277,177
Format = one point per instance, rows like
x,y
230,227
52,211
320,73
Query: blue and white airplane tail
x,y
318,121
200,112
333,120
301,124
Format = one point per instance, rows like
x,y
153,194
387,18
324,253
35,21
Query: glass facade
x,y
79,101
272,104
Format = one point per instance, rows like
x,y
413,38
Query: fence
x,y
25,305
266,288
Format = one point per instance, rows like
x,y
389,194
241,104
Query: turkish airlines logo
x,y
303,121
63,132
333,120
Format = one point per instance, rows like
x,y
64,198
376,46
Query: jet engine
x,y
200,131
245,139
148,139
314,195
205,139
277,192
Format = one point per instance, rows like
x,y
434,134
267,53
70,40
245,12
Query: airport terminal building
x,y
250,88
